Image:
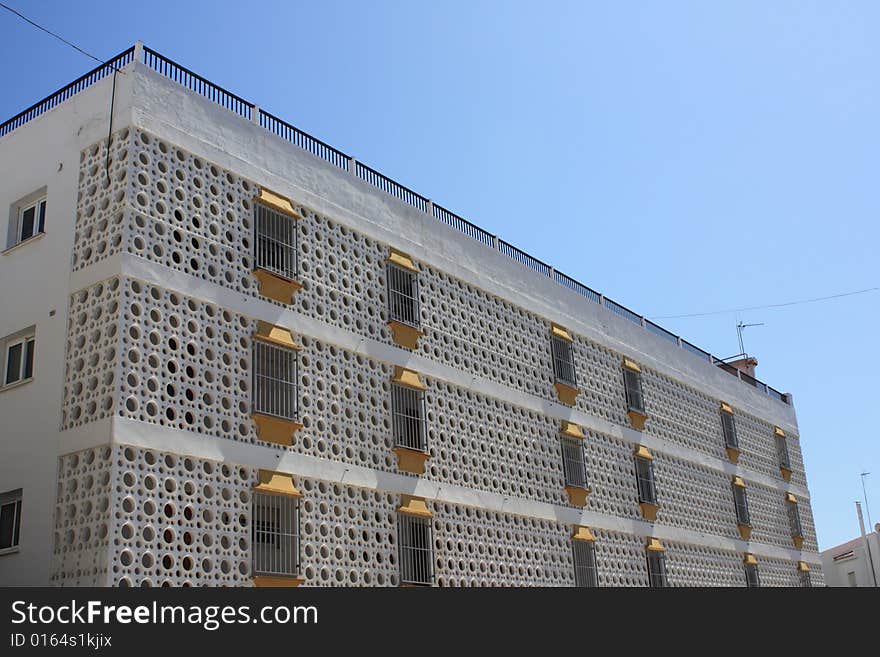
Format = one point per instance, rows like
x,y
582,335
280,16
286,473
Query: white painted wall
x,y
33,282
837,572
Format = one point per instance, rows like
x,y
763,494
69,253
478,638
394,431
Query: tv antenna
x,y
739,334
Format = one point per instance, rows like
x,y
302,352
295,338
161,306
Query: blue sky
x,y
680,157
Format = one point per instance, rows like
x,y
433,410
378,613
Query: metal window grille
x,y
563,361
782,451
408,417
416,549
586,574
275,535
276,243
794,519
728,426
804,579
656,569
573,462
632,381
741,502
753,581
403,295
275,377
645,480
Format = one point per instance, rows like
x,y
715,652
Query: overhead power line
x,y
771,305
51,33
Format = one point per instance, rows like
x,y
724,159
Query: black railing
x,y
577,287
464,226
659,330
67,91
318,148
391,187
524,258
623,311
195,82
304,140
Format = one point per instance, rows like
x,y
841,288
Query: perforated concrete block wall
x,y
487,444
102,200
777,572
770,522
484,335
681,414
161,356
92,354
193,216
600,380
180,521
137,517
691,565
84,535
694,497
612,477
187,366
758,448
475,547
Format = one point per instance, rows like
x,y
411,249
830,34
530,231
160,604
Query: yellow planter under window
x,y
262,581
276,287
577,496
411,460
404,335
637,419
275,429
649,510
567,395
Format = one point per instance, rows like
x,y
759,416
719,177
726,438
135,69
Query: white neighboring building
x,y
233,355
848,565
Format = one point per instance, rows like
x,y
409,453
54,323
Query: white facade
x,y
848,565
134,445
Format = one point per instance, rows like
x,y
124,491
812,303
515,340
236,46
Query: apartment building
x,y
233,355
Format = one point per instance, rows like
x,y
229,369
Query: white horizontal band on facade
x,y
135,433
354,202
257,308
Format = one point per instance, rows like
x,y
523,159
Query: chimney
x,y
745,365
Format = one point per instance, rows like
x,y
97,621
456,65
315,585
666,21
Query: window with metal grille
x,y
408,417
632,381
656,569
645,480
728,426
10,520
794,519
804,579
403,295
275,379
275,535
586,574
276,242
741,502
782,451
753,581
573,463
416,549
563,361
